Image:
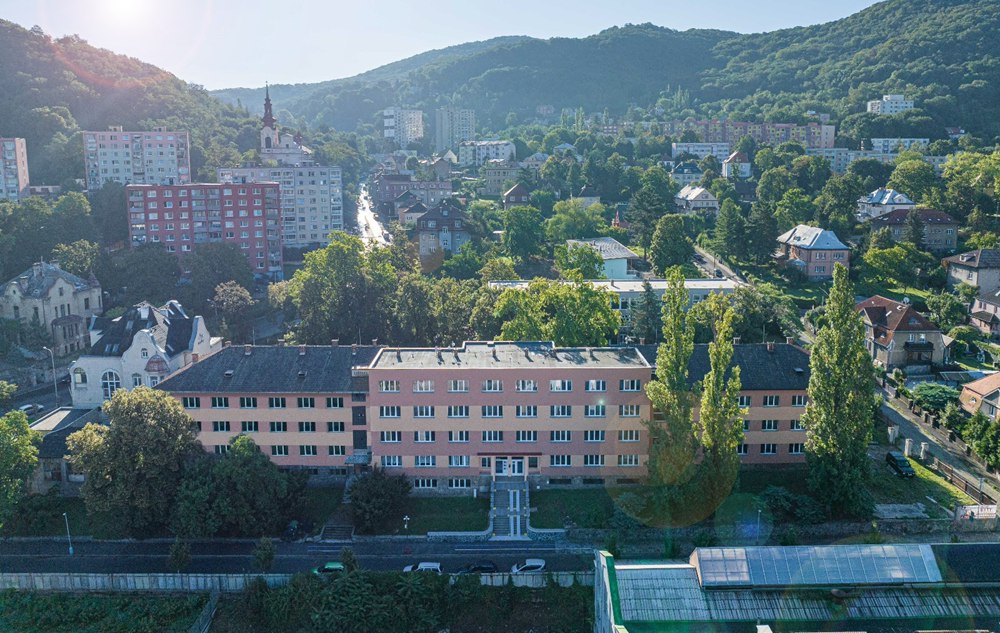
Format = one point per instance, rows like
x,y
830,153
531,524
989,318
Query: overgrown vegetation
x,y
116,613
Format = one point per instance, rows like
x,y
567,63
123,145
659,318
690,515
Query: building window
x,y
190,402
796,448
455,411
307,451
742,449
526,411
423,483
630,385
560,385
526,386
459,484
768,449
143,353
221,449
423,411
136,380
220,426
595,385
492,411
484,462
533,461
279,427
798,426
220,402
593,436
492,386
559,436
390,437
392,461
560,411
423,386
458,436
744,402
746,425
771,401
425,461
628,410
388,386
526,436
248,403
628,435
628,460
275,403
593,460
799,400
306,403
593,411
559,461
769,425
492,436
458,461
458,386
334,427
279,451
423,437
334,403
250,426
307,427
388,412
336,451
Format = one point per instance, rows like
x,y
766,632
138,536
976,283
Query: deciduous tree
x,y
579,261
670,246
18,456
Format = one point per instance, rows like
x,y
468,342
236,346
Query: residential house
x,y
409,214
516,196
587,196
53,470
814,251
883,201
617,257
736,165
980,268
440,167
497,172
403,126
686,174
940,229
139,348
443,227
693,198
452,126
388,187
982,395
985,313
896,335
56,300
745,191
535,161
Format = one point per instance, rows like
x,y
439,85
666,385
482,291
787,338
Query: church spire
x,y
268,118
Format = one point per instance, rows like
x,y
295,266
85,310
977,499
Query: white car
x,y
435,567
528,565
31,409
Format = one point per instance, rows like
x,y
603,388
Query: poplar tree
x,y
838,416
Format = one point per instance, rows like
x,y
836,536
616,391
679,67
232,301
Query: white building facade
x,y
701,150
890,104
403,126
478,152
452,126
13,169
156,157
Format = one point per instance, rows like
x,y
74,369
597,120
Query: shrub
x,y
789,537
377,500
263,554
705,538
671,549
808,510
934,396
611,545
349,560
779,501
179,556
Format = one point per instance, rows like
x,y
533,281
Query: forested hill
x,y
945,53
50,89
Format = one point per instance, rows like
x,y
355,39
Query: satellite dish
x,y
906,300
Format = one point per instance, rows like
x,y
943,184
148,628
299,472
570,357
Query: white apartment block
x,y
155,157
478,152
452,126
890,104
701,150
312,198
13,169
403,126
890,145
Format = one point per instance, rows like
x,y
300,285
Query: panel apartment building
x,y
452,126
771,133
156,157
455,418
13,169
403,126
182,216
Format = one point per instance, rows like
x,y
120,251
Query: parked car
x,y
718,273
329,570
528,565
435,567
480,567
898,462
31,409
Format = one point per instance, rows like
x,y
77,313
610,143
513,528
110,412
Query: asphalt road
x,y
235,557
367,222
46,398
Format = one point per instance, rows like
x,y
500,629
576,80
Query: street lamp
x,y
68,538
55,383
757,542
406,522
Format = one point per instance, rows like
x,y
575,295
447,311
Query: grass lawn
x,y
805,294
887,487
443,514
587,507
42,515
28,611
756,480
321,501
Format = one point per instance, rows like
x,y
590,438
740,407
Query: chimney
x,y
335,343
194,358
227,343
281,342
354,349
642,340
789,340
736,340
374,342
770,346
36,269
247,349
302,350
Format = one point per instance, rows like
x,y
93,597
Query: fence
x,y
536,580
204,621
969,488
153,583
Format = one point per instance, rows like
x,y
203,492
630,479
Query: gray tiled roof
x,y
980,258
760,369
811,237
36,284
273,369
170,326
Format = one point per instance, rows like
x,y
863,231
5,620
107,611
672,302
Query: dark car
x,y
718,273
480,567
898,462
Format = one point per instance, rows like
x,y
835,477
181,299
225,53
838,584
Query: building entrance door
x,y
517,466
501,466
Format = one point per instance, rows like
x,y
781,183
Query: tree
x,y
252,495
645,317
263,554
18,456
521,235
934,396
645,210
838,415
349,560
569,314
761,232
670,246
377,500
896,264
915,178
7,390
759,306
213,264
179,555
946,310
729,239
872,172
71,216
571,221
77,258
913,229
133,465
415,312
772,187
234,304
579,262
106,206
148,273
794,208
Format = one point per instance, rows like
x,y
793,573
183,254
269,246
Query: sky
x,y
224,44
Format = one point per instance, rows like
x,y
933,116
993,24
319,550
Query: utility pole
x,y
55,383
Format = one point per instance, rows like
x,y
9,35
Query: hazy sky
x,y
247,42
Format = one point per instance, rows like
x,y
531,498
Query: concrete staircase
x,y
339,527
510,514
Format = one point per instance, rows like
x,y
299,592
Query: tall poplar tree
x,y
838,417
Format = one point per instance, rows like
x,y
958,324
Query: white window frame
x,y
595,385
390,437
423,411
526,386
392,461
560,461
560,411
628,461
458,411
492,437
388,411
423,386
458,386
594,435
425,461
526,411
629,411
458,437
491,411
630,384
594,411
388,386
458,461
593,460
560,386
560,437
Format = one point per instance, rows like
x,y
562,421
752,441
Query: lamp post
x,y
406,523
55,383
757,542
68,538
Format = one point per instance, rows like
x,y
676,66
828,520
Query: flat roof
x,y
500,354
631,285
58,419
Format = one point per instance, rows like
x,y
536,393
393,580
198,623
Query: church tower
x,y
269,133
